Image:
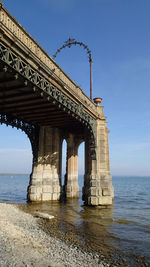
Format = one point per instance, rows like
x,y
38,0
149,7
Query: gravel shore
x,y
24,243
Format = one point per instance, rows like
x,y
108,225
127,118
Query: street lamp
x,y
71,42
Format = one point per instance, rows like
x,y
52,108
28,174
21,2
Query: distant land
x,y
13,174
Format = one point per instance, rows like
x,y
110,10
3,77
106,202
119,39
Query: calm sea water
x,y
127,223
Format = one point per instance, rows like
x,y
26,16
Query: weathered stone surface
x,y
71,183
98,189
45,184
106,192
105,200
93,201
45,179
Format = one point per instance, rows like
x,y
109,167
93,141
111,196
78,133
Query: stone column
x,y
71,182
45,177
98,189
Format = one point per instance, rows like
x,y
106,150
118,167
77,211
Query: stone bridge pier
x,y
98,189
45,180
71,177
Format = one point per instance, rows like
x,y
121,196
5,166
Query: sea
x,y
126,224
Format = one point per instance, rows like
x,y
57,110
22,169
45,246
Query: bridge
x,y
39,98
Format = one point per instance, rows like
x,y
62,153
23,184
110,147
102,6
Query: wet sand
x,y
26,240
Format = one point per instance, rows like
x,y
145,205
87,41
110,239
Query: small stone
x,y
44,215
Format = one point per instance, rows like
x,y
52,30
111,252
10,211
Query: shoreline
x,y
26,240
24,243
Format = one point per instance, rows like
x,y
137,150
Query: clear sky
x,y
118,34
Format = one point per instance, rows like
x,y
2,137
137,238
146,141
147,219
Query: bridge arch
x,y
16,158
30,130
15,151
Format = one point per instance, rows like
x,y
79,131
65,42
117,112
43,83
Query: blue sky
x,y
117,32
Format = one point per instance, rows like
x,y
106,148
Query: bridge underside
x,y
28,104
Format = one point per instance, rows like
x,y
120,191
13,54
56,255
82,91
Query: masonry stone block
x,y
105,200
93,183
35,197
46,196
93,201
47,189
106,192
55,196
93,191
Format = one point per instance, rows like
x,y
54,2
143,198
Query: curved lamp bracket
x,y
71,42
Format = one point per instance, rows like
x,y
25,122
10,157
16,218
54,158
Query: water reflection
x,y
77,223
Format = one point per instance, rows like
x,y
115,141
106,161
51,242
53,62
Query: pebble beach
x,y
23,243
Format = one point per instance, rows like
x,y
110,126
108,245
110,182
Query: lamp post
x,y
71,42
90,78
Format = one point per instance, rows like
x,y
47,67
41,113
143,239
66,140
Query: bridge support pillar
x,y
45,177
98,189
71,182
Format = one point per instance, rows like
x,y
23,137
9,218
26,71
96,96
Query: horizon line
x,y
121,175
